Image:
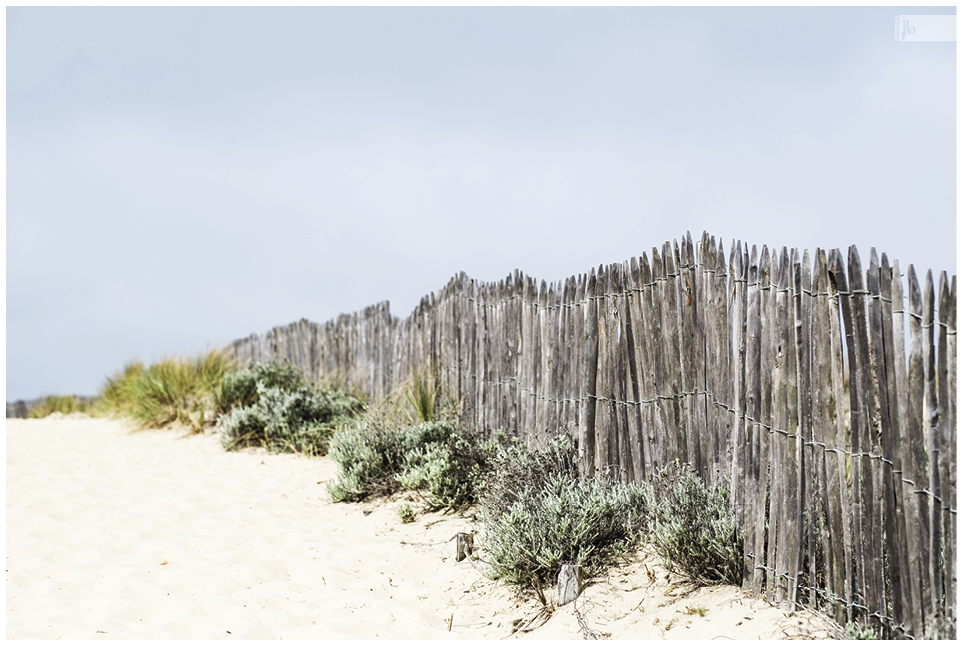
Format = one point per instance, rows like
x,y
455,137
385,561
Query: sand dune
x,y
157,535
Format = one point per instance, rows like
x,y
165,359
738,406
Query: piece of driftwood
x,y
464,545
569,583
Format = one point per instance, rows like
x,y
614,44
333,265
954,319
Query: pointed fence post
x,y
569,583
464,545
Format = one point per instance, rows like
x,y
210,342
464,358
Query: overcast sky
x,y
181,177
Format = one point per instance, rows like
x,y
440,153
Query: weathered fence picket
x,y
918,468
805,514
946,373
589,362
687,327
931,427
880,287
755,478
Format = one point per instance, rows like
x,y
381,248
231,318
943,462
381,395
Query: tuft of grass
x,y
423,394
406,512
539,514
438,458
50,404
422,399
700,610
694,529
172,390
117,391
346,385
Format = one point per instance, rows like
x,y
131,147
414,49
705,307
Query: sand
x,y
160,535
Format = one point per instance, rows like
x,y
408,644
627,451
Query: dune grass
x,y
65,404
116,392
417,400
423,395
173,390
269,405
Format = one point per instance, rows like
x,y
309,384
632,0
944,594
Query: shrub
x,y
694,529
171,390
539,514
515,469
366,454
438,458
50,404
240,389
448,469
282,421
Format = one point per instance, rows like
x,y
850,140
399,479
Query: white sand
x,y
157,535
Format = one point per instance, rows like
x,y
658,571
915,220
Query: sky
x,y
179,177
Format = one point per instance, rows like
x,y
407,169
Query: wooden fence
x,y
786,375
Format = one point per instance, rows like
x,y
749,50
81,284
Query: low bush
x,y
240,389
516,469
440,459
694,529
584,522
271,406
537,511
539,514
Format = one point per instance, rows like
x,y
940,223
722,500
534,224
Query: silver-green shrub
x,y
285,416
694,529
240,389
515,469
438,458
538,514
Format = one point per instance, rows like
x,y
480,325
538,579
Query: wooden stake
x,y
464,545
569,583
